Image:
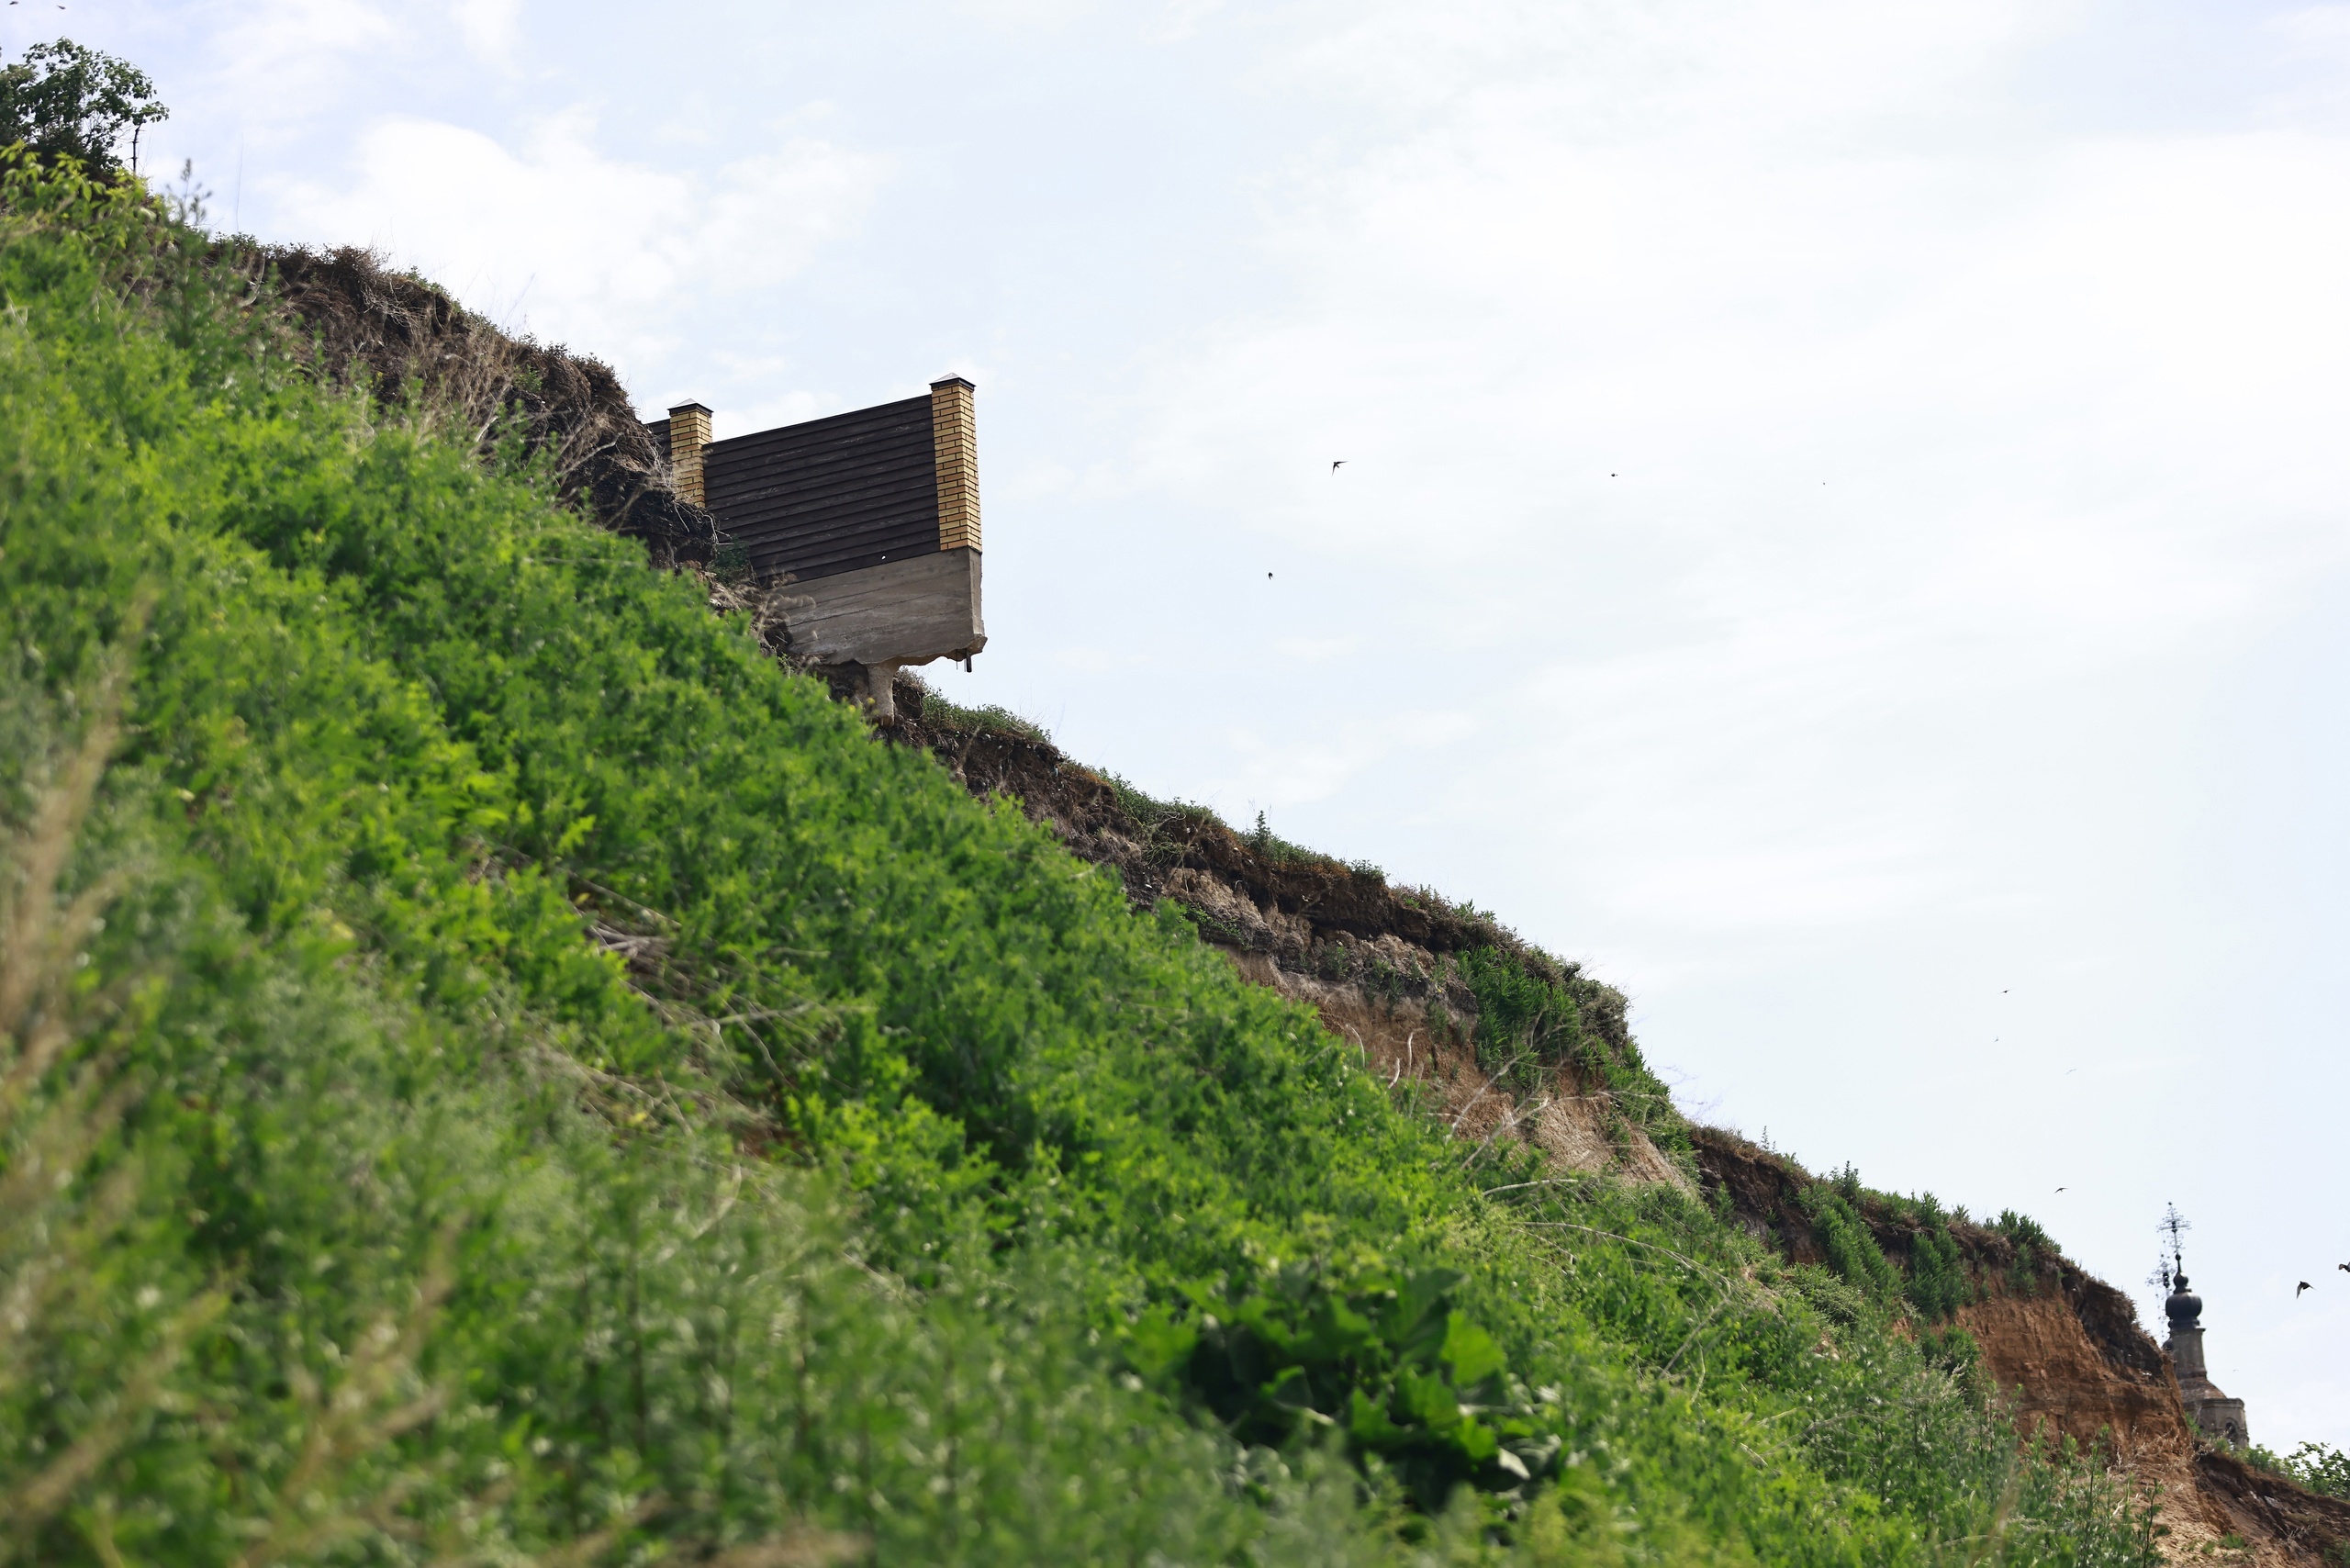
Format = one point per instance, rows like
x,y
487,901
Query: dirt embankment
x,y
414,349
1379,962
2068,1350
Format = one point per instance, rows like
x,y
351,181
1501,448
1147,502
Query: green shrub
x,y
62,100
1851,1247
2314,1467
988,719
1390,1369
1533,1018
1939,1283
2033,1248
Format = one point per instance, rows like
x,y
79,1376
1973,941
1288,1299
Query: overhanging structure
x,y
872,518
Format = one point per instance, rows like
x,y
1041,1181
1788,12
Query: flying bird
x,y
2298,1289
2060,1189
2344,1267
1341,463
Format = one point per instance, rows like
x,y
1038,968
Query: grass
x,y
550,1087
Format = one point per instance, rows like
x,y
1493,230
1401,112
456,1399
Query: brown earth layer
x,y
414,349
2068,1354
2064,1347
1379,962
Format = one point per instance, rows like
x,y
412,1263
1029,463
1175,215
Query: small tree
x,y
62,100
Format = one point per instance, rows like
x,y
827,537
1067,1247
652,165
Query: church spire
x,y
2219,1416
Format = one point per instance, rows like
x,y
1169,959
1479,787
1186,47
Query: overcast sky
x,y
1843,528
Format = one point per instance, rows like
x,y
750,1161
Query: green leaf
x,y
1368,1424
1158,1346
1428,1399
1471,1352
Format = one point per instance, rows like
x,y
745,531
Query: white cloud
x,y
1181,19
1010,15
1317,650
491,29
1896,428
285,62
1294,768
612,255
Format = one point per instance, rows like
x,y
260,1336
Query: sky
x,y
1843,523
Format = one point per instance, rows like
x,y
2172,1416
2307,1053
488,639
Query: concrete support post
x,y
881,693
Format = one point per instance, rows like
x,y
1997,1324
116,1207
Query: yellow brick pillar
x,y
953,433
688,433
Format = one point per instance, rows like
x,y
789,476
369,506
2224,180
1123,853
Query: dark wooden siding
x,y
832,494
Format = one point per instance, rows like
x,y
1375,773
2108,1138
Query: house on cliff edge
x,y
871,518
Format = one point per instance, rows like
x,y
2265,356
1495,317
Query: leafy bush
x,y
2314,1467
988,719
1532,1018
2033,1248
1851,1247
1938,1285
62,100
1956,1351
1391,1367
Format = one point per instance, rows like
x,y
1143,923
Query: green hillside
x,y
498,1070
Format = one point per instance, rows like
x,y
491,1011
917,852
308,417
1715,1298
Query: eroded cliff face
x,y
2056,1356
360,324
1576,1124
2075,1362
1377,963
2066,1350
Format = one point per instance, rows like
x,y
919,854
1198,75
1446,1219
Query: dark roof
x,y
832,494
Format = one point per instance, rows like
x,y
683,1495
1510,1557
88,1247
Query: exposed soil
x,y
417,351
1576,1124
1377,961
2067,1349
2278,1522
1374,958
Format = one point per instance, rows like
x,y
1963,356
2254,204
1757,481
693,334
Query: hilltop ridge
x,y
1381,966
517,1073
1512,1047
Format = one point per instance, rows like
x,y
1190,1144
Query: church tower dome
x,y
2184,1309
2218,1417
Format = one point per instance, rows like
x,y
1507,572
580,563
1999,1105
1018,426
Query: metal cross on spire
x,y
2173,1225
